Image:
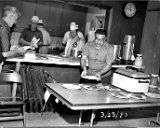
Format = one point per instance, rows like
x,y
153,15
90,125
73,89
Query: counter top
x,y
47,59
54,59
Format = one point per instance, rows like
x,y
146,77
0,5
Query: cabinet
x,y
150,45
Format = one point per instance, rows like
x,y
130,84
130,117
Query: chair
x,y
11,108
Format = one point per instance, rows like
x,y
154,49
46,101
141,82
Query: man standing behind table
x,y
99,56
10,16
73,39
46,38
32,36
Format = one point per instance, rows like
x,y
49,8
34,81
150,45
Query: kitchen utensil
x,y
90,77
116,51
128,47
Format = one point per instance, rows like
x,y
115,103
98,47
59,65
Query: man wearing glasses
x,y
98,55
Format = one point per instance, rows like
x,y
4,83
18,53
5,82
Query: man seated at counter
x,y
32,36
99,56
73,39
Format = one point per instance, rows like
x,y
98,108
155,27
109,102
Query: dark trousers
x,y
105,80
85,81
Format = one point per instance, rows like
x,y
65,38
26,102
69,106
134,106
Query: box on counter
x,y
131,80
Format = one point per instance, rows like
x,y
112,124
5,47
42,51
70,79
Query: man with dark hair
x,y
98,54
10,16
97,58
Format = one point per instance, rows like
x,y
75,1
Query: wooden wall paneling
x,y
16,3
63,73
28,10
122,26
73,13
107,16
154,5
42,11
55,18
150,46
0,10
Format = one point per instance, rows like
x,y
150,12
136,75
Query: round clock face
x,y
129,10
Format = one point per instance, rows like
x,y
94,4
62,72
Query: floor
x,y
65,117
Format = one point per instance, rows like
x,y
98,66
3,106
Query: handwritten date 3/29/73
x,y
112,114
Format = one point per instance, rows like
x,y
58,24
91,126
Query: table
x,y
74,99
62,70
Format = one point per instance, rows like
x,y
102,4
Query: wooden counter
x,y
62,69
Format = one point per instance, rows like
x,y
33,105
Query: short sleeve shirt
x,y
27,35
67,36
97,58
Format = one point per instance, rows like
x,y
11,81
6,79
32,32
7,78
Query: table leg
x,y
15,84
157,121
158,117
92,118
80,118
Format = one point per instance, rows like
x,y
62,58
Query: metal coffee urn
x,y
128,47
116,54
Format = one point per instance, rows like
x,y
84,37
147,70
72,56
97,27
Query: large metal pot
x,y
128,47
116,51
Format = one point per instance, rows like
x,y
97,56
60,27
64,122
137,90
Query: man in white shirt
x,y
73,39
46,38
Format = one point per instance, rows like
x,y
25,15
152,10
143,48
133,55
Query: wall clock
x,y
129,10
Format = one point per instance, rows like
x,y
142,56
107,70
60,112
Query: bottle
x,y
154,80
138,61
74,51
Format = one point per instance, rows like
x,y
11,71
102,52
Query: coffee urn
x,y
128,47
116,51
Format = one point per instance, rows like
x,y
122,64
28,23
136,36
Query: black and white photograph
x,y
79,63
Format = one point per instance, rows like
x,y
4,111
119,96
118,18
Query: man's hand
x,y
84,73
98,75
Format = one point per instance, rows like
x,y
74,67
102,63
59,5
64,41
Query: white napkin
x,y
35,40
